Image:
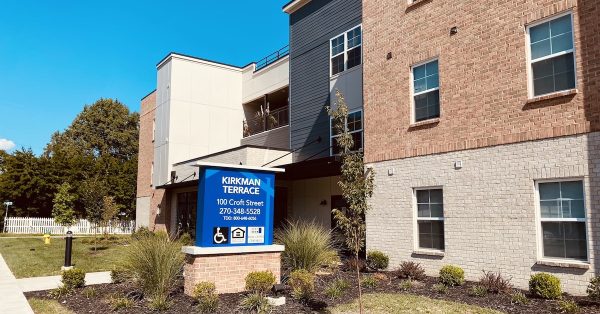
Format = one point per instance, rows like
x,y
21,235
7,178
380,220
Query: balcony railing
x,y
272,57
266,121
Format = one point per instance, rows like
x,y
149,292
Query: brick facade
x,y
228,272
483,75
490,211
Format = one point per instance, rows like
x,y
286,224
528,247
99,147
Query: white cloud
x,y
6,144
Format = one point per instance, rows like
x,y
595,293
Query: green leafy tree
x,y
92,193
63,205
110,210
356,185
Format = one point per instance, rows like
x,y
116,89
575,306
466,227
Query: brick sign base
x,y
227,267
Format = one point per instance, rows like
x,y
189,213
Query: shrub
x,y
377,260
89,292
410,270
593,289
60,292
141,233
260,281
494,282
405,285
255,303
452,275
160,303
117,303
369,282
119,275
518,298
308,245
73,278
478,291
336,288
303,284
351,264
440,288
568,306
545,286
154,262
208,300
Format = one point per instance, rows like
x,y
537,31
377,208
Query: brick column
x,y
227,267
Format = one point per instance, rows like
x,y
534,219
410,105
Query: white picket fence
x,y
26,225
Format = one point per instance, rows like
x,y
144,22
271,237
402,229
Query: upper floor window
x,y
552,55
346,50
153,130
354,125
426,91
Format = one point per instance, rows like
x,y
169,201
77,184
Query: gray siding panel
x,y
311,28
277,138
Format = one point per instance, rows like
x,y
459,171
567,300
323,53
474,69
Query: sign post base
x,y
227,267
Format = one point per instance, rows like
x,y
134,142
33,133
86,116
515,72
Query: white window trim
x,y
362,134
416,218
530,61
152,174
331,56
413,117
539,220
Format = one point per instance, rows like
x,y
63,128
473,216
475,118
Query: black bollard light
x,y
68,249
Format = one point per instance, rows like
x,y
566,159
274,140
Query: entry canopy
x,y
235,205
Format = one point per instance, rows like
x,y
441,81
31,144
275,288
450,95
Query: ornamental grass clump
x,y
308,245
545,286
155,262
452,276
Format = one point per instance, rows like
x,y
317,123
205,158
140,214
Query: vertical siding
x,y
311,28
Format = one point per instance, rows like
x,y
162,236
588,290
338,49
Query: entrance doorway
x,y
281,208
186,213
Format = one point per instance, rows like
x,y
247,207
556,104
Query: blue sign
x,y
235,207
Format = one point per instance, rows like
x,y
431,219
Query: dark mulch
x,y
78,303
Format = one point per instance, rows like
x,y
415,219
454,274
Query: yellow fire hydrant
x,y
46,239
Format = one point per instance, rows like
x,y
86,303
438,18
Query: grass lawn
x,y
406,303
29,257
41,306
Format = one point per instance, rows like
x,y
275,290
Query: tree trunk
x,y
360,305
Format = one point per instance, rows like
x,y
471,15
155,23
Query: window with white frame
x,y
354,125
346,50
562,215
552,56
153,129
426,91
152,174
430,218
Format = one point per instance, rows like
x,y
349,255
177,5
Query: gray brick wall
x,y
489,206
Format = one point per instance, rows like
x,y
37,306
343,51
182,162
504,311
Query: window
x,y
346,50
152,174
426,91
430,219
354,126
562,215
552,56
153,129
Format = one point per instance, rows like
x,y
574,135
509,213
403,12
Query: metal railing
x,y
265,122
272,57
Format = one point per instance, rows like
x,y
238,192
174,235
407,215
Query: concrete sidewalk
x,y
11,297
52,282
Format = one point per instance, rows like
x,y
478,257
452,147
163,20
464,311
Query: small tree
x,y
110,209
92,193
356,185
63,209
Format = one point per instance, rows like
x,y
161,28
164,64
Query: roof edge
x,y
150,93
176,54
294,5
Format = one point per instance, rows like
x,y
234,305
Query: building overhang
x,y
294,6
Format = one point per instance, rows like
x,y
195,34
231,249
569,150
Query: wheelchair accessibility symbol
x,y
220,235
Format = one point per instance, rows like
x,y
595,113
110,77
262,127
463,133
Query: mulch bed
x,y
78,303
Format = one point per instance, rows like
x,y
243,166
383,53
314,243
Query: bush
x,y
73,278
155,262
303,284
518,298
478,291
119,275
411,270
593,289
568,306
405,285
494,282
208,300
351,264
452,275
260,281
545,286
255,303
308,245
440,288
117,303
377,260
89,292
60,292
142,233
336,288
369,282
186,239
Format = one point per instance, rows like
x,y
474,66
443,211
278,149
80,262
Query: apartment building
x,y
482,122
267,113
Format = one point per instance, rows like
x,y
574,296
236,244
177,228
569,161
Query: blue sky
x,y
57,56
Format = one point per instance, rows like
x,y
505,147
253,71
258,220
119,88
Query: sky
x,y
57,56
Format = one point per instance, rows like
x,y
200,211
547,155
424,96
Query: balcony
x,y
264,62
266,120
